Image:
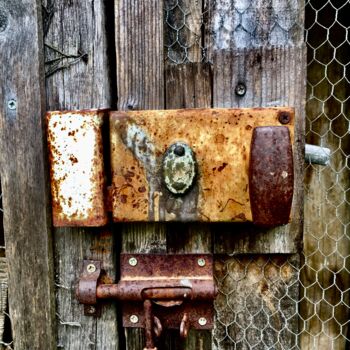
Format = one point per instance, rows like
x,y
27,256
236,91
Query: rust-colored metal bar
x,y
148,289
149,322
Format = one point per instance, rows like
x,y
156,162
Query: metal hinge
x,y
157,292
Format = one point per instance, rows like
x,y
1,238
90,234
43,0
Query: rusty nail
x,y
134,319
201,262
240,89
179,150
133,261
91,268
284,118
202,321
91,309
12,104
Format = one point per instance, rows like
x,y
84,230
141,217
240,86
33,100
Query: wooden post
x,y
79,50
24,176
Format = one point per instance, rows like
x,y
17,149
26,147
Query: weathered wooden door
x,y
130,55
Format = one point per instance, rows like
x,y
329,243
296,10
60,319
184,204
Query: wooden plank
x,y
24,176
140,85
259,47
80,60
189,86
327,209
284,87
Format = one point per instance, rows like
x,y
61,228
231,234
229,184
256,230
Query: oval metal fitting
x,y
179,168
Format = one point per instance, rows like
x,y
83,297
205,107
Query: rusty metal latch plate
x,y
157,291
174,165
192,271
221,141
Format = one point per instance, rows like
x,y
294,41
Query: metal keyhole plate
x,y
179,168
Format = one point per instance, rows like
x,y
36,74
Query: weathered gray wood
x,y
81,78
273,77
327,212
140,85
257,303
23,176
259,44
189,86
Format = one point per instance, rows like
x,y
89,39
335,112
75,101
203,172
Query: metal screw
x,y
133,261
91,309
202,321
201,262
12,104
91,268
240,89
179,150
284,118
134,319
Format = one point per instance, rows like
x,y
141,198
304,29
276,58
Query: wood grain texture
x,y
327,205
273,77
79,56
189,86
257,303
260,46
263,49
140,85
24,176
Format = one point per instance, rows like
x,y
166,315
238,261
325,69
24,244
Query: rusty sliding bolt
x,y
174,287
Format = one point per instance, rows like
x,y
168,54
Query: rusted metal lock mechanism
x,y
213,165
157,291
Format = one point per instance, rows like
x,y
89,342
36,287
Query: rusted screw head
x,y
202,321
179,150
240,89
91,268
132,261
12,104
201,262
284,118
134,319
91,310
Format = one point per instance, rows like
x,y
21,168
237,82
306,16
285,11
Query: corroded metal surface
x,y
271,176
179,168
220,140
77,167
177,285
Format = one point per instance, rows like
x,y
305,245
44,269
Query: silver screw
x,y
202,321
91,309
133,261
240,89
12,104
134,319
91,268
201,262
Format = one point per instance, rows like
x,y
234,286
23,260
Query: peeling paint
x,y
77,168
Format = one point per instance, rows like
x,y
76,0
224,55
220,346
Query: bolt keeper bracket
x,y
157,291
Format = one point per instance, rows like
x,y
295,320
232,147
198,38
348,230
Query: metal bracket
x,y
157,291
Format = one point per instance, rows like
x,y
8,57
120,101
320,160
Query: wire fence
x,y
287,302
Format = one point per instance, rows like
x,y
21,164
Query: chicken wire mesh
x,y
287,302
